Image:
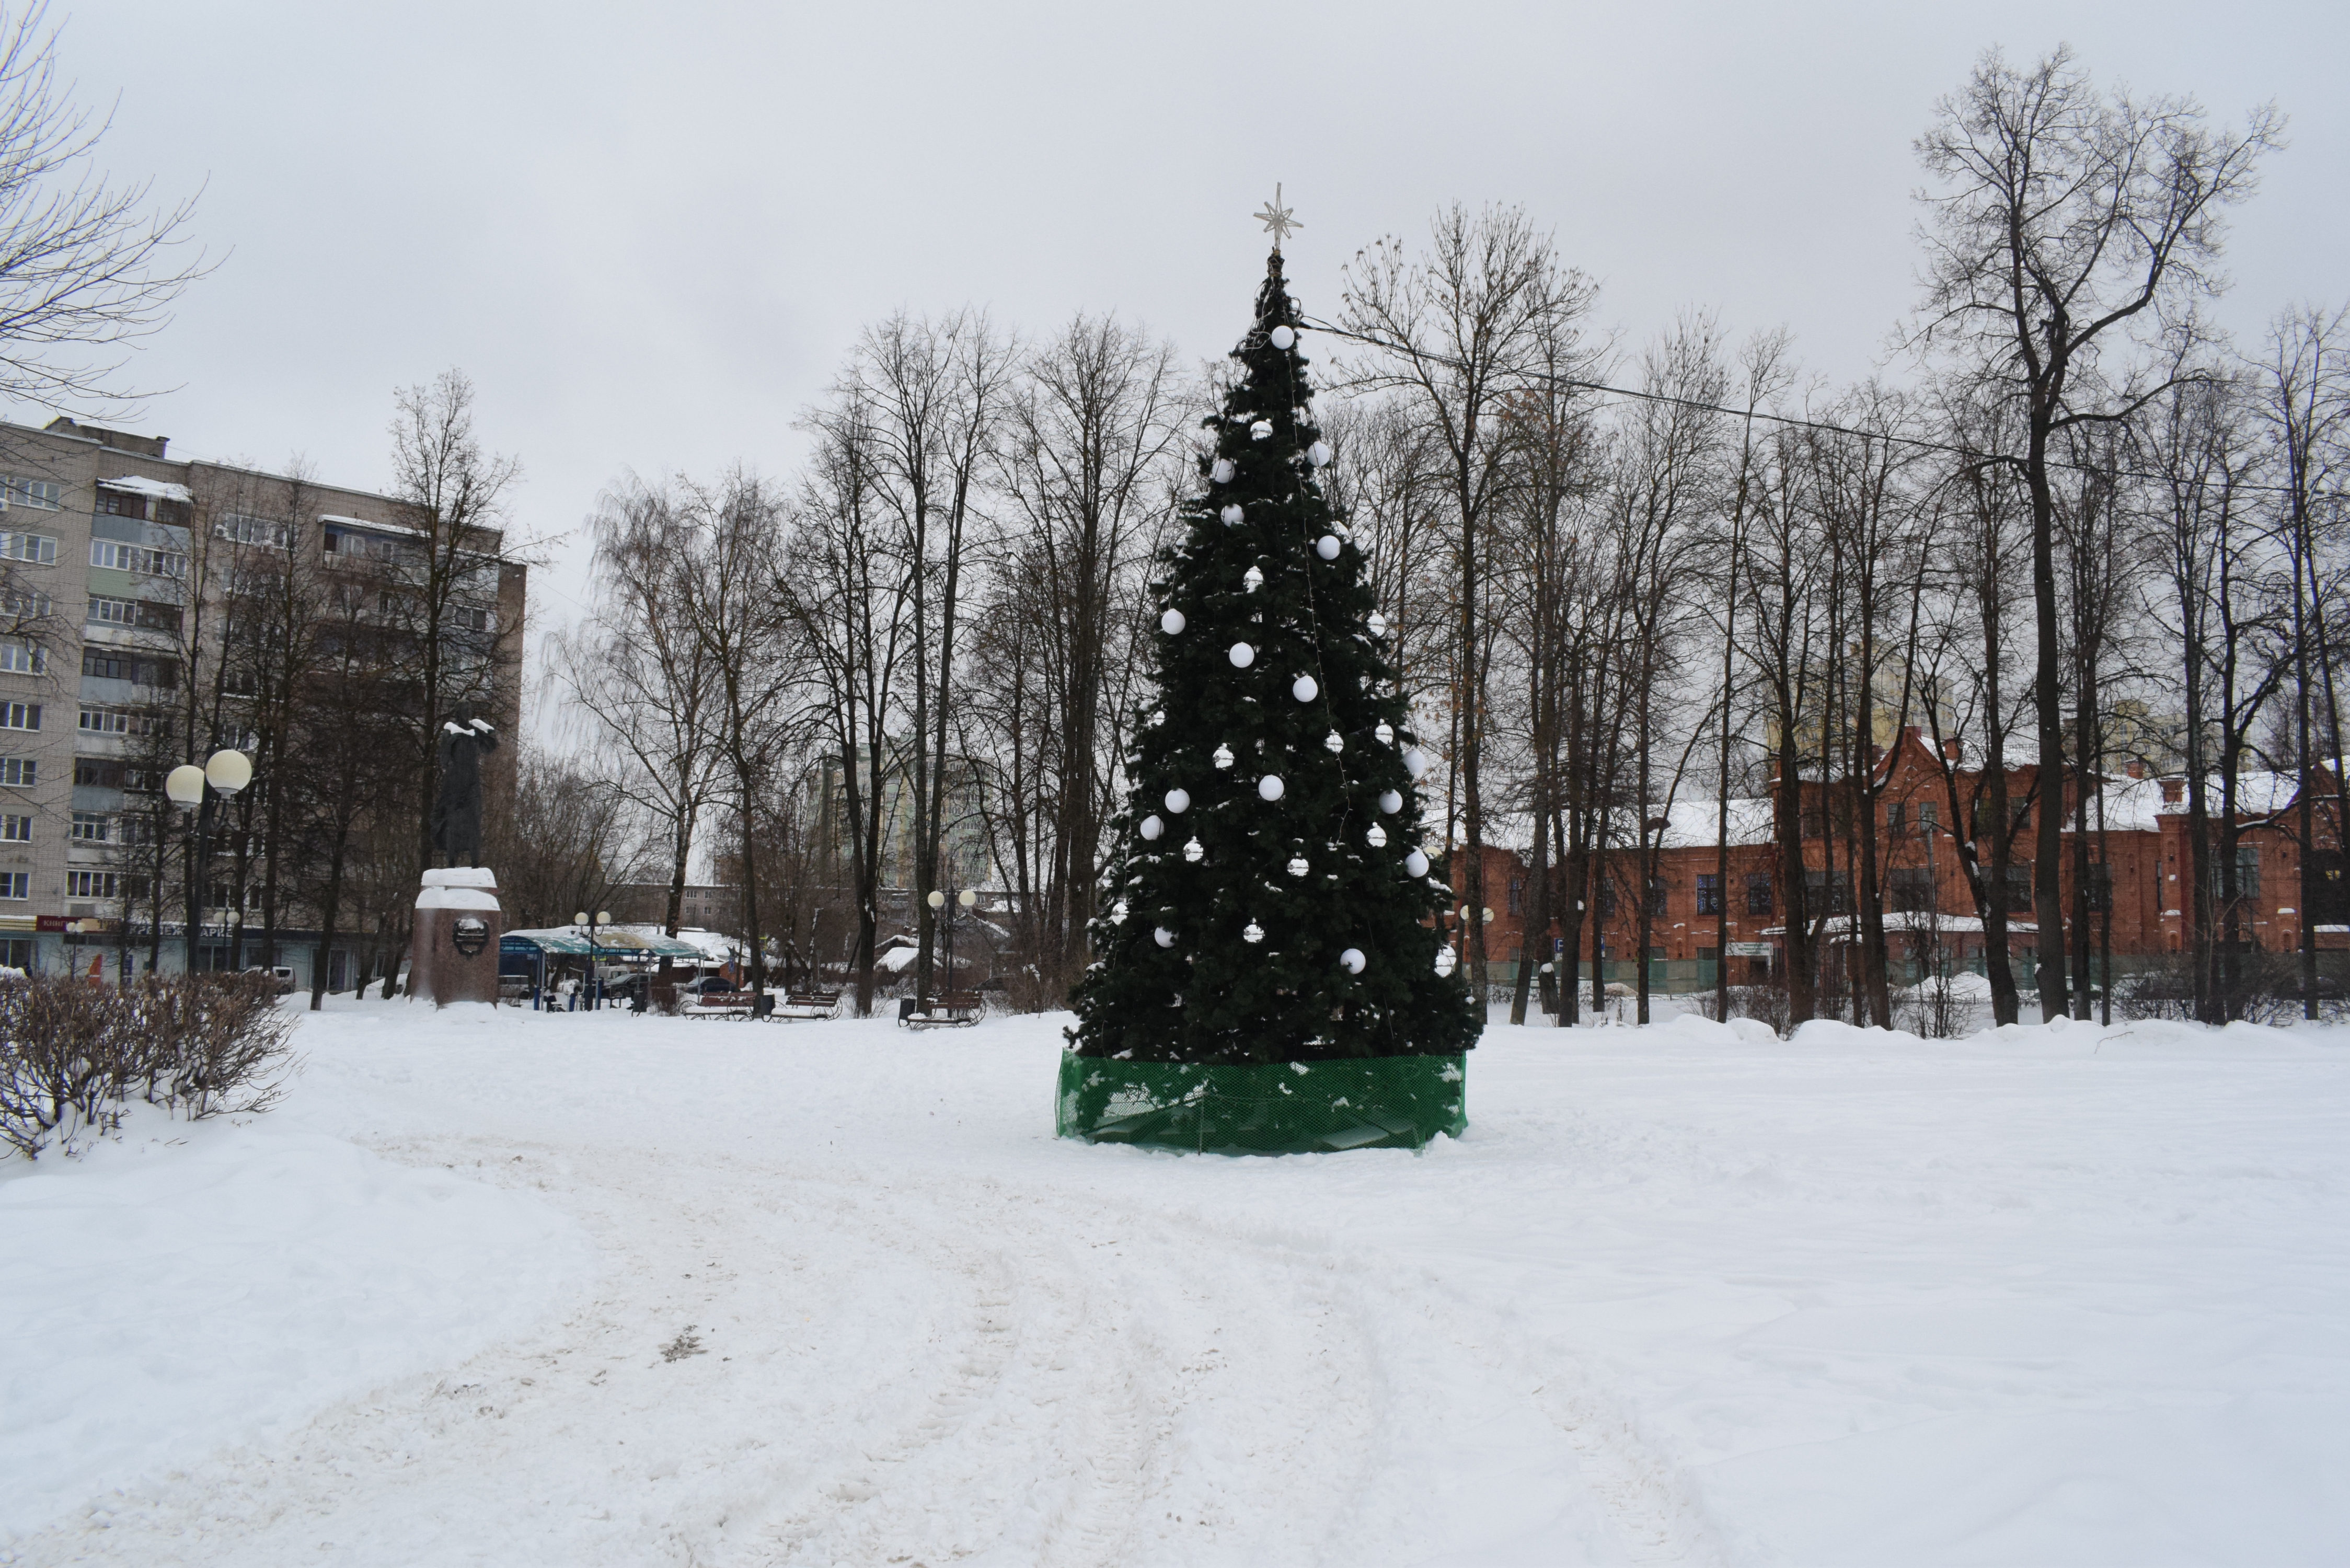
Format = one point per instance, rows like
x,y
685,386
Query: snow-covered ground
x,y
512,1289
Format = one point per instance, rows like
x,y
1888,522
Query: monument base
x,y
453,956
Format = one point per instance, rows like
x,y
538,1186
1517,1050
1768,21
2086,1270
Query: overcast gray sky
x,y
649,233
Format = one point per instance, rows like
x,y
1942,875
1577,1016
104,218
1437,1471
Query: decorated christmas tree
x,y
1267,973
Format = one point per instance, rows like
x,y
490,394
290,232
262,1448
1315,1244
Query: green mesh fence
x,y
1289,1108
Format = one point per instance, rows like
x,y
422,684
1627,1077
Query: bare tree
x,y
1092,428
86,268
638,667
2067,218
1459,331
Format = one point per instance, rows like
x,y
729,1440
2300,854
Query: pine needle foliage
x,y
1232,915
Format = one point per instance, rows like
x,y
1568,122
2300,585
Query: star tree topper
x,y
1277,219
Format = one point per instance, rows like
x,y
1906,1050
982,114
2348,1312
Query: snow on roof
x,y
710,945
377,527
1695,824
155,488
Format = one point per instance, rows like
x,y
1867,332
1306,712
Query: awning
x,y
564,942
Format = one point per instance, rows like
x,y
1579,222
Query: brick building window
x,y
1517,895
1910,888
1709,893
2019,889
1656,897
1758,893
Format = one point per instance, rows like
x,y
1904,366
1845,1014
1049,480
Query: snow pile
x,y
192,1285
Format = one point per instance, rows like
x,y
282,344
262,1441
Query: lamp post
x,y
964,899
595,975
226,772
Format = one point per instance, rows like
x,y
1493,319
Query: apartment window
x,y
1929,814
36,549
1709,893
1896,817
16,952
114,612
365,546
242,530
92,827
19,773
1656,897
15,829
2019,889
470,620
122,504
1910,888
117,557
1758,893
26,605
137,828
105,721
1517,895
113,666
24,659
99,772
90,883
2101,888
41,494
16,884
20,715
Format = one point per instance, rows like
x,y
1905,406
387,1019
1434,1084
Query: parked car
x,y
281,974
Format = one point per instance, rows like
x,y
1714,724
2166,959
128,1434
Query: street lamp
x,y
595,975
226,772
963,901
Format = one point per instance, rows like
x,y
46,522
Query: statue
x,y
457,813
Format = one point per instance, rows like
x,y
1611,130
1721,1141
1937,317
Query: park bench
x,y
809,1004
720,1004
948,1009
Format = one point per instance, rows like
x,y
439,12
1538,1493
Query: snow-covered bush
x,y
72,1053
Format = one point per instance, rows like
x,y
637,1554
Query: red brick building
x,y
2138,850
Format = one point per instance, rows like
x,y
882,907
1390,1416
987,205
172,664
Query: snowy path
x,y
1673,1300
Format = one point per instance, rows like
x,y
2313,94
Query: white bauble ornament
x,y
1231,516
1353,962
1376,837
1172,622
1118,913
1269,786
1179,801
1280,336
1390,801
1163,937
1298,866
1195,852
1378,623
1303,688
1333,743
1319,455
1158,717
1151,827
1416,863
1386,732
1445,961
1242,656
1415,762
1261,430
1327,546
1223,757
1252,580
1251,932
1221,474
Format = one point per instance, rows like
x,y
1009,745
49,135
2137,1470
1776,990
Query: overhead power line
x,y
1631,394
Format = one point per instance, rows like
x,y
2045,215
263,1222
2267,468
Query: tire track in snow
x,y
983,1372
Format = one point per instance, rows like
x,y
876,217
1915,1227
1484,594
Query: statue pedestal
x,y
453,956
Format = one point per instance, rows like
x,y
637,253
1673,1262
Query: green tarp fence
x,y
1286,1107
